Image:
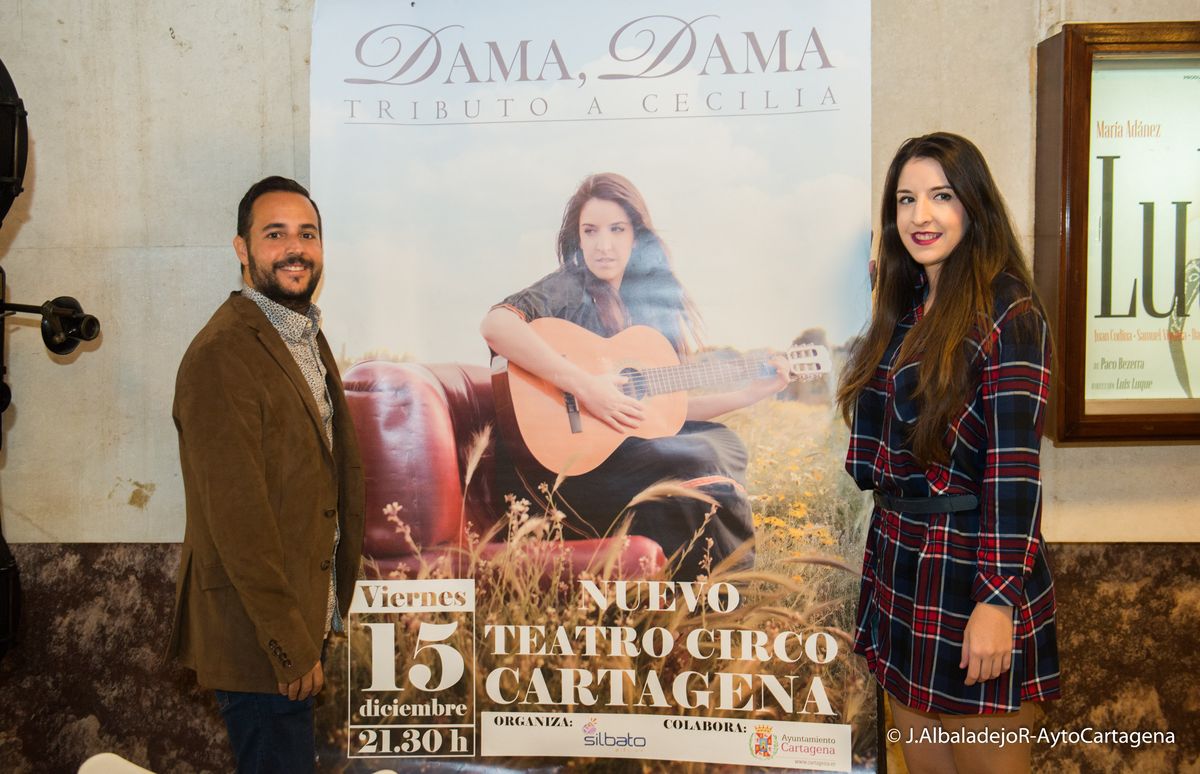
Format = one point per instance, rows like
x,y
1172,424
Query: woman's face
x,y
606,239
929,215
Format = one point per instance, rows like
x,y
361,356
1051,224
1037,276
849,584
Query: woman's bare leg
x,y
917,728
1006,754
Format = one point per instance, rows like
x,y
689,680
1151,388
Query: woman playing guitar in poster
x,y
614,274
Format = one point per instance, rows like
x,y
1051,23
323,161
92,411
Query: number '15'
x,y
429,636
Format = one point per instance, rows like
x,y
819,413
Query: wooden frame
x,y
1061,244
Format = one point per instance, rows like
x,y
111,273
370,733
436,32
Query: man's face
x,y
283,258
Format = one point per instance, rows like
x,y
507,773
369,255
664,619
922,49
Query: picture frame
x,y
1117,229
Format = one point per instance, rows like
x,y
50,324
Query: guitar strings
x,y
663,379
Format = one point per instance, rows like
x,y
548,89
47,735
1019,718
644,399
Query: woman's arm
x,y
598,394
1015,383
702,407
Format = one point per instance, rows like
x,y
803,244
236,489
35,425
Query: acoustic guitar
x,y
537,417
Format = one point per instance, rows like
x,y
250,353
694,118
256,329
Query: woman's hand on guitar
x,y
704,407
600,395
768,386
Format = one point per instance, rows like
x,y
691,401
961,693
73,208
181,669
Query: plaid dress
x,y
924,574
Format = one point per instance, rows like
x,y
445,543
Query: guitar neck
x,y
709,373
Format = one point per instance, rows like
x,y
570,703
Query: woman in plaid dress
x,y
946,396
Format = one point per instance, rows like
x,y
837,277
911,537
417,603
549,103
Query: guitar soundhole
x,y
636,386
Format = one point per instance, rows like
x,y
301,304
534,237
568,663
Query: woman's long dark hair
x,y
943,339
650,292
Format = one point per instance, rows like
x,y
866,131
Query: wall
x,y
971,68
148,122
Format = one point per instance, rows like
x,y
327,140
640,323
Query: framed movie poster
x,y
1118,228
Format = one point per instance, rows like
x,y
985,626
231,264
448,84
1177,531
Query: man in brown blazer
x,y
274,489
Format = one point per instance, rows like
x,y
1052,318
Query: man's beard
x,y
267,283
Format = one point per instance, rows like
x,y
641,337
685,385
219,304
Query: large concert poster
x,y
649,210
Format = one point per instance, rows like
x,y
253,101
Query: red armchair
x,y
416,425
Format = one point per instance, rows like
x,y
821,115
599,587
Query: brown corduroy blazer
x,y
263,493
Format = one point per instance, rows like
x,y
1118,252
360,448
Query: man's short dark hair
x,y
267,185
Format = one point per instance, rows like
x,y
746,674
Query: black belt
x,y
924,505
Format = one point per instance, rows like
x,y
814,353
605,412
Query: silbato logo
x,y
594,737
763,742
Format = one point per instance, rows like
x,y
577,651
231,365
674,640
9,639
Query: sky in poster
x,y
443,194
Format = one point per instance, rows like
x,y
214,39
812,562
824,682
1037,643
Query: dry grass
x,y
810,521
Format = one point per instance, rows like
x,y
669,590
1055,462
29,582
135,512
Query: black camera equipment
x,y
14,142
64,323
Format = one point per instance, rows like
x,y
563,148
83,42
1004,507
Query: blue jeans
x,y
269,733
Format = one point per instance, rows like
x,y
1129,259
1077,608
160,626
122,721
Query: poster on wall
x,y
1143,342
590,272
